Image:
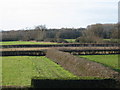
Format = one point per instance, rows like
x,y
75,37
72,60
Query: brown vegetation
x,y
80,66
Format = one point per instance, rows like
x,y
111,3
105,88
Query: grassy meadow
x,y
111,40
18,71
70,40
107,60
23,42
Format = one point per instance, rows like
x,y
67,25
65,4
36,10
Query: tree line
x,y
93,33
98,32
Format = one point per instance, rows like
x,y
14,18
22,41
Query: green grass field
x,y
18,71
111,40
107,60
23,42
70,40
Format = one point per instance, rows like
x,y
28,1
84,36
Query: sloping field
x,y
18,71
107,60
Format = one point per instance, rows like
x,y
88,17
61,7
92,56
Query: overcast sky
x,y
18,14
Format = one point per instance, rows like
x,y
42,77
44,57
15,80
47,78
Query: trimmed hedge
x,y
60,83
60,45
80,66
23,53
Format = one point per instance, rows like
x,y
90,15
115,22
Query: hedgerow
x,y
80,66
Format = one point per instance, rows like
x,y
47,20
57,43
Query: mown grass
x,y
18,71
107,60
23,42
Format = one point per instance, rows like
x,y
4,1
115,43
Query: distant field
x,y
108,60
70,40
106,40
23,42
18,71
111,40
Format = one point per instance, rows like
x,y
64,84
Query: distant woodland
x,y
95,33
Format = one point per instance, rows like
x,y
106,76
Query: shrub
x,y
92,39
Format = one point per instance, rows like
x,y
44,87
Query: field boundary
x,y
80,66
42,52
60,45
24,53
47,83
105,83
